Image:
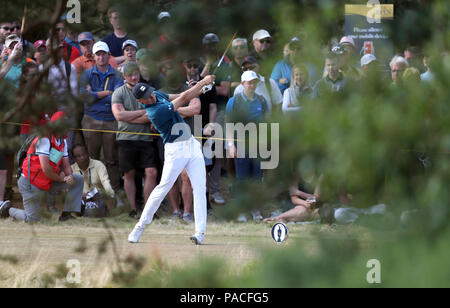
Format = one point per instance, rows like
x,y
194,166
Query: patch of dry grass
x,y
41,248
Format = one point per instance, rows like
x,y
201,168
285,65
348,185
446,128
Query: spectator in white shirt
x,y
266,88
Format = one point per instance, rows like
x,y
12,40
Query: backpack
x,y
23,153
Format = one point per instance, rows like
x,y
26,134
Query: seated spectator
x,y
95,175
398,65
267,87
299,90
15,60
93,171
334,80
305,203
87,60
129,48
47,169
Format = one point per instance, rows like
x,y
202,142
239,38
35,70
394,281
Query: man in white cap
x,y
11,69
368,63
101,80
348,59
87,60
262,44
262,41
245,107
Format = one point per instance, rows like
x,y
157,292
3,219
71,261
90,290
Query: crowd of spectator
x,y
119,150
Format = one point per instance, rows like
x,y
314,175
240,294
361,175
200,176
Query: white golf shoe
x,y
136,234
197,239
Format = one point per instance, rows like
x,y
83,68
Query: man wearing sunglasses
x,y
13,58
70,53
5,30
262,44
239,50
15,27
262,41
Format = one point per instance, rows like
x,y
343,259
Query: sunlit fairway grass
x,y
40,248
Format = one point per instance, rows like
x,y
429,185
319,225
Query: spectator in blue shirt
x,y
101,80
245,107
282,71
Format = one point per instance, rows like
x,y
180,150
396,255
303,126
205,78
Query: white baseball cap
x,y
11,39
249,76
129,42
261,34
100,46
368,58
163,15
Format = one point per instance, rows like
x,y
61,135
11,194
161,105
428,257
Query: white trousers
x,y
177,157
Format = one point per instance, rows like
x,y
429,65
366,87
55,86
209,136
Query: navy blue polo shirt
x,y
163,116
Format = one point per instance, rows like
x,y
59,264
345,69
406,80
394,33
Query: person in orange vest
x,y
47,169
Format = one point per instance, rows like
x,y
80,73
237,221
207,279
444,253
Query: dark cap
x,y
249,59
210,38
142,91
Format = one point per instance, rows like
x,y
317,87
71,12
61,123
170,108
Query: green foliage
x,y
367,142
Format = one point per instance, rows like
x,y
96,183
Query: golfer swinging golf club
x,y
181,151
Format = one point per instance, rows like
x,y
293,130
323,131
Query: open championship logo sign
x,y
279,232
